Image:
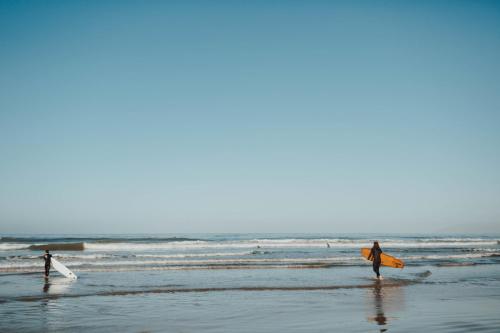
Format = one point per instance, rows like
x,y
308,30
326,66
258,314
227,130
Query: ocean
x,y
249,283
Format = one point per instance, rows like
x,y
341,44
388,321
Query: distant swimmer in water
x,y
47,257
375,253
327,245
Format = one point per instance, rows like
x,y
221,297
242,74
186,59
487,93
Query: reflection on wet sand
x,y
46,285
380,317
44,306
381,300
52,289
57,286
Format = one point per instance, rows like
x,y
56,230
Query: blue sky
x,y
249,116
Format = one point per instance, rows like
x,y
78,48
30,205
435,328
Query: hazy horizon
x,y
262,116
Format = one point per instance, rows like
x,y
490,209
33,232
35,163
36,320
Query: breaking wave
x,y
22,254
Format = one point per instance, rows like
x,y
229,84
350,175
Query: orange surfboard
x,y
387,260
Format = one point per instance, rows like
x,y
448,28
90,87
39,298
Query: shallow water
x,y
278,298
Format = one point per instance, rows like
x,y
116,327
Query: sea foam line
x,y
185,262
278,244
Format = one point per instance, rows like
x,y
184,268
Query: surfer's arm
x,y
370,256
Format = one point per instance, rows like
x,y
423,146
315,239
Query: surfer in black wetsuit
x,y
375,253
47,257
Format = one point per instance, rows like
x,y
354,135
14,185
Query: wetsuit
x,y
375,254
47,257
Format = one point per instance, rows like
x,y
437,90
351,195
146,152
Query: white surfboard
x,y
62,269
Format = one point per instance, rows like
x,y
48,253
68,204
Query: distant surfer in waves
x,y
375,253
47,257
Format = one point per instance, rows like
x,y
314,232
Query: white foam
x,y
449,256
30,263
288,243
82,256
194,255
13,246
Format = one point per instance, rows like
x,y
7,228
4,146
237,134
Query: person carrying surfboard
x,y
48,258
375,253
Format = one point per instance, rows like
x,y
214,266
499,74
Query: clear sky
x,y
249,116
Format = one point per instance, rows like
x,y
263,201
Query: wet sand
x,y
448,299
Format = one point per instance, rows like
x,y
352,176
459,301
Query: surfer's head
x,y
375,245
47,251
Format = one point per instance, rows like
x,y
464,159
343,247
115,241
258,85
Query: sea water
x,y
249,283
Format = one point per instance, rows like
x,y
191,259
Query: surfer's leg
x,y
376,269
47,270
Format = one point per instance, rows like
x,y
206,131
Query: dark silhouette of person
x,y
48,260
375,253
